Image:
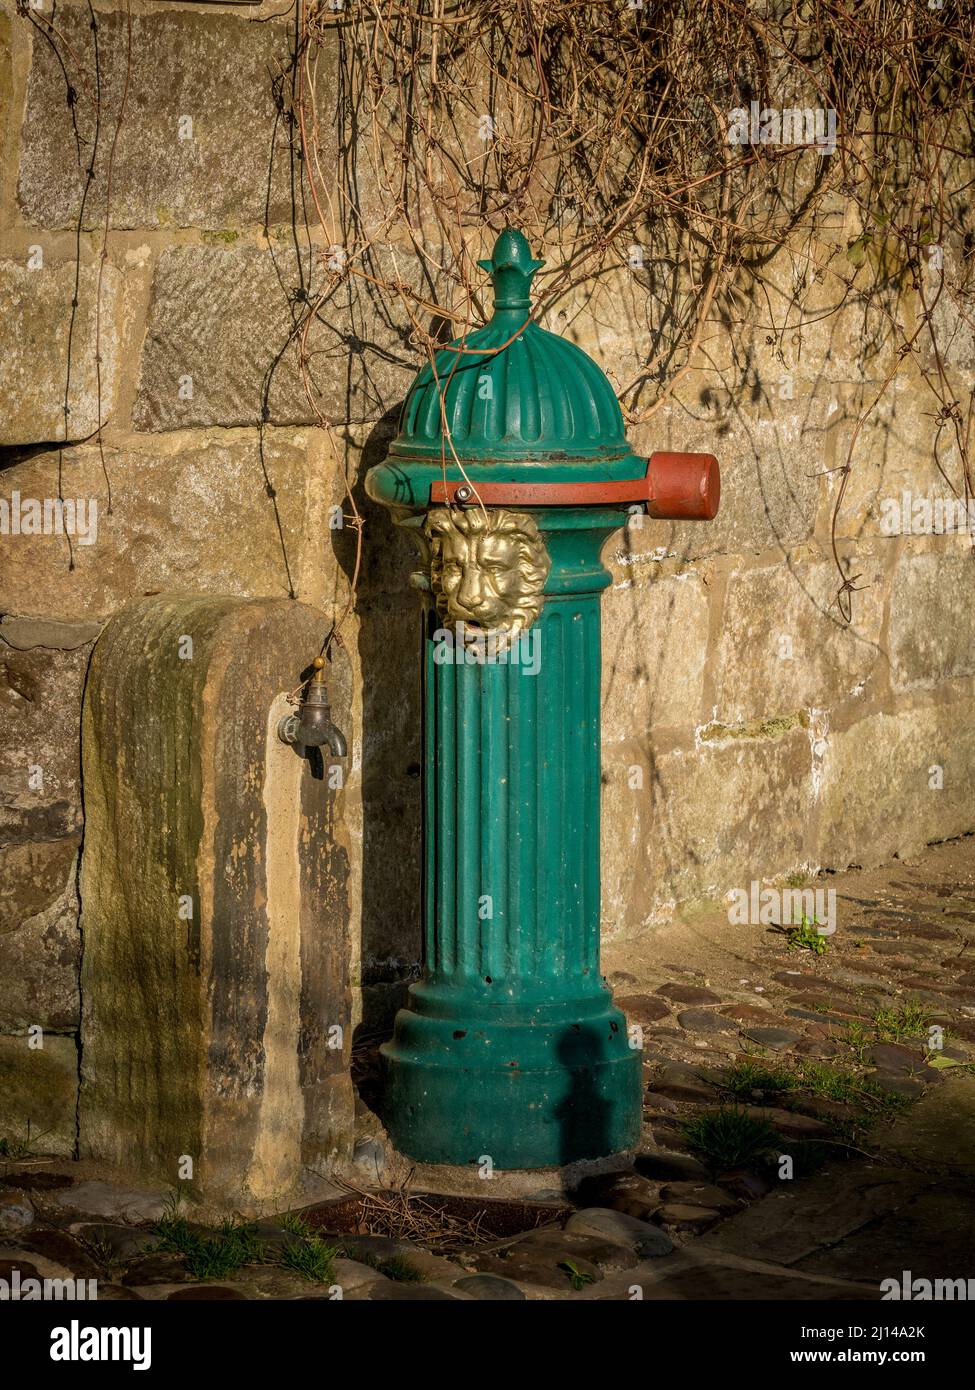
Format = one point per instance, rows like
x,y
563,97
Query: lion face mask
x,y
487,571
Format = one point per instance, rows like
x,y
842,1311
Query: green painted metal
x,y
510,1046
539,410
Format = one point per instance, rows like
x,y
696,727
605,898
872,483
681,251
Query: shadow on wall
x,y
389,663
723,668
360,357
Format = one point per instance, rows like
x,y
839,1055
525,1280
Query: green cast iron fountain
x,y
511,469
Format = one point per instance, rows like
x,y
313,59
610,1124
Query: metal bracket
x,y
675,487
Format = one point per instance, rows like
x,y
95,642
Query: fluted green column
x,y
510,1045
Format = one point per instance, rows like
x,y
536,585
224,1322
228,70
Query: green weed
x,y
805,936
748,1075
399,1268
219,1251
578,1278
728,1137
908,1021
231,1245
311,1258
296,1225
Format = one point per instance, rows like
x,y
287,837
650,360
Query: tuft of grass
x,y
728,1137
220,1251
831,1082
18,1149
748,1075
308,1254
398,1267
908,1021
311,1258
231,1245
858,1040
827,1080
104,1254
295,1224
823,1079
848,1087
868,1101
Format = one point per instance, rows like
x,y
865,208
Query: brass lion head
x,y
487,569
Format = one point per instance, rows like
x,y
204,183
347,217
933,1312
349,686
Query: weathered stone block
x,y
690,823
202,141
39,1092
33,876
5,54
655,636
214,903
40,700
184,515
932,616
895,782
35,317
770,484
784,646
219,348
26,634
891,440
40,945
40,951
801,340
793,346
951,326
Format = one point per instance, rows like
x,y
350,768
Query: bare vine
x,y
601,129
598,128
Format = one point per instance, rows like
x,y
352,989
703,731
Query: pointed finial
x,y
511,268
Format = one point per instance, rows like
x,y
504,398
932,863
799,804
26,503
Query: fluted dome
x,y
538,395
510,401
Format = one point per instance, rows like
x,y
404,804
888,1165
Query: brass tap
x,y
312,726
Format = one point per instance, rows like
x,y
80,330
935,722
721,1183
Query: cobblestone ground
x,y
809,1133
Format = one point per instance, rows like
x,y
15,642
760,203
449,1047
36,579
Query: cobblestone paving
x,y
809,1132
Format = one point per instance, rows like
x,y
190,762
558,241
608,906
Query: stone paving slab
x,y
792,1222
930,1235
938,1134
705,1274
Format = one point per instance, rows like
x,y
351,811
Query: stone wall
x,y
216,1039
748,731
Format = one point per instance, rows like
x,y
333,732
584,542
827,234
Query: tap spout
x,y
312,726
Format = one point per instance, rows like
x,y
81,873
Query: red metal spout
x,y
683,487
